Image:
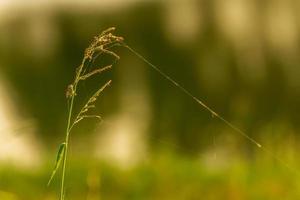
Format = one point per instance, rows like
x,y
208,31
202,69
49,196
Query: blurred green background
x,y
241,57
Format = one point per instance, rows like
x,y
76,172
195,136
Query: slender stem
x,y
68,130
62,191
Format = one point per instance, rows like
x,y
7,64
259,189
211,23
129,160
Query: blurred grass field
x,y
167,176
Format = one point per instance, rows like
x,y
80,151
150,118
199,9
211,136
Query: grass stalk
x,y
62,189
101,45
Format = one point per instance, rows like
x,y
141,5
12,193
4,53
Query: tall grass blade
x,y
99,46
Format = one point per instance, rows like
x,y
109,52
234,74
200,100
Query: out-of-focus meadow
x,y
241,57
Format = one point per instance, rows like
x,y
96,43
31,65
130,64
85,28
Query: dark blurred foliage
x,y
40,80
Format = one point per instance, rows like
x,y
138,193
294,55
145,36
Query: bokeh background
x,y
241,57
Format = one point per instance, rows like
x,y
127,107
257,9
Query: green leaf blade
x,y
59,158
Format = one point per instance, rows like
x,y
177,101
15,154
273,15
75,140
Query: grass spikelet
x,y
89,105
101,44
96,71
